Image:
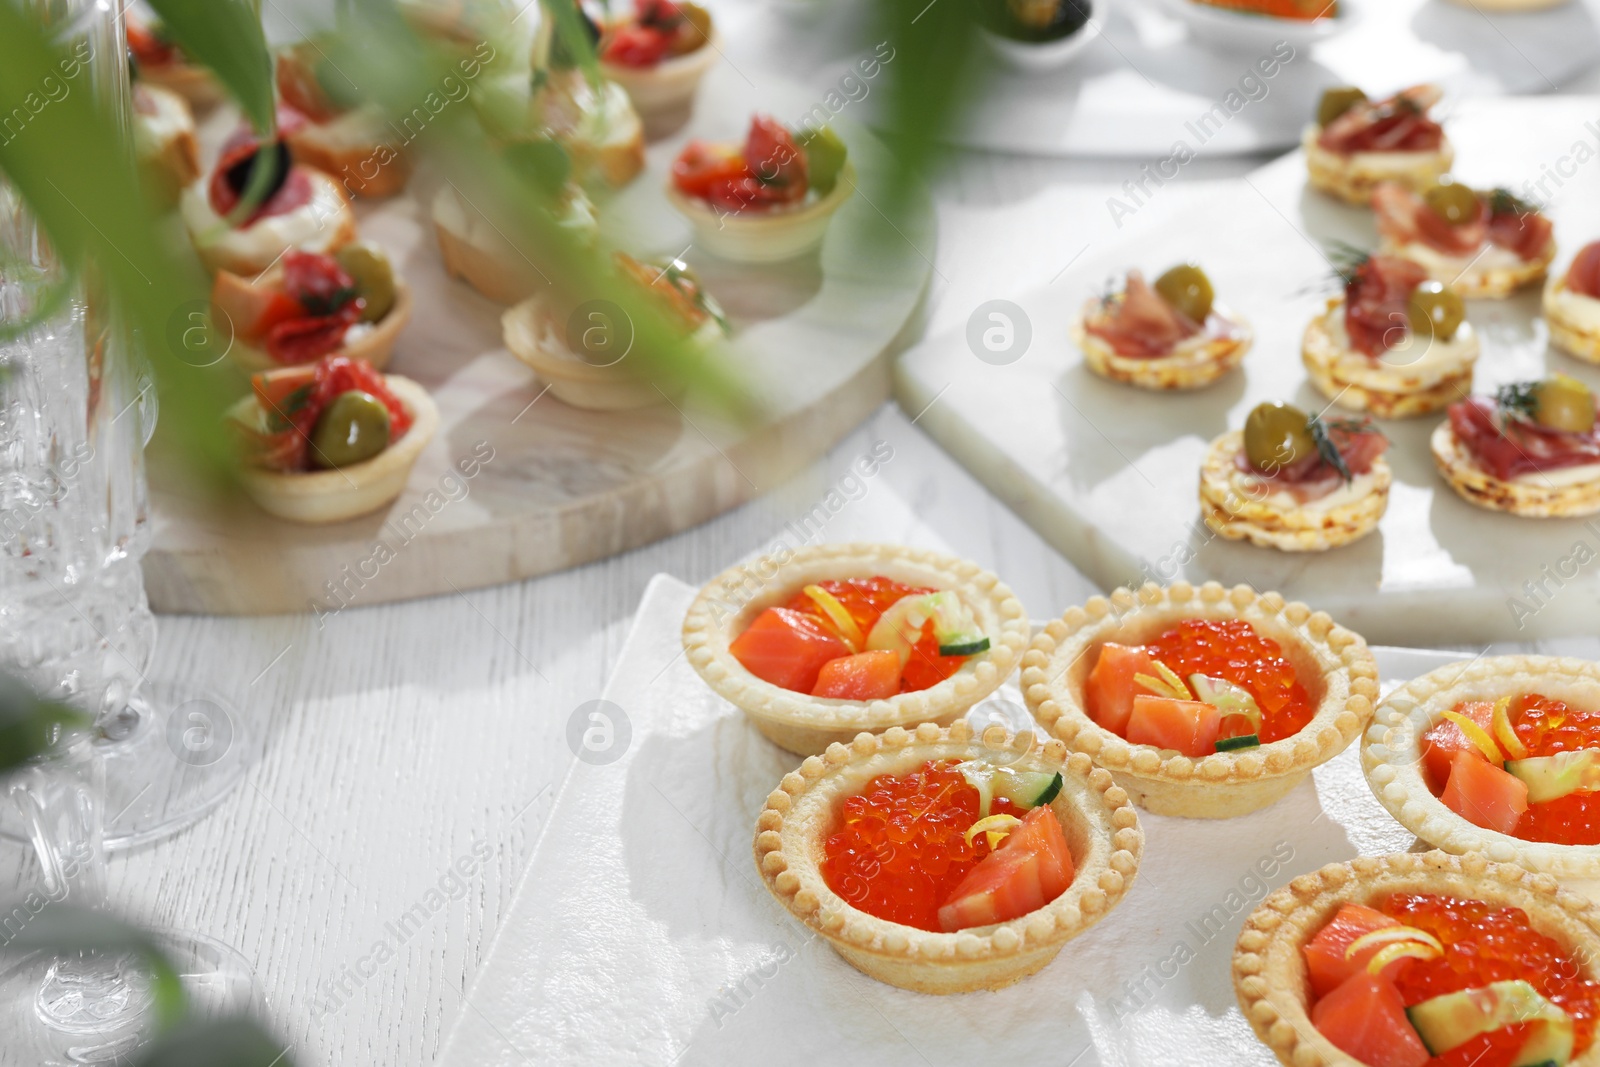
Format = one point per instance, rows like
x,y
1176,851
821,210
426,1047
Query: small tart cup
x,y
1471,280
390,164
663,94
317,497
804,724
1236,516
1535,498
195,84
1269,968
169,161
1193,366
1391,755
535,338
763,236
375,346
233,250
1333,664
1352,178
1578,339
1100,825
1386,390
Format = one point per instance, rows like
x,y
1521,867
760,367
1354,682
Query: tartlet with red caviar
x,y
1016,848
1295,482
1203,701
1416,960
819,644
1572,306
1170,335
1495,756
1532,449
1482,245
1394,344
1356,144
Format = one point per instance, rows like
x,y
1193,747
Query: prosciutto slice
x,y
1526,233
1376,300
232,177
1509,447
1313,478
1398,124
1139,323
1404,218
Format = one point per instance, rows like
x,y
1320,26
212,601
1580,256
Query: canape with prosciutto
x,y
1572,306
1357,143
1170,335
1295,482
1480,244
1395,343
300,207
1531,449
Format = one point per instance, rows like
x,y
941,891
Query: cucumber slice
x,y
1025,789
1455,1018
1226,697
965,646
1234,744
1553,777
900,627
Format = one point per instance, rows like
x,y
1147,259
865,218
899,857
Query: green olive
x,y
374,277
355,427
1452,201
1337,101
825,156
1277,435
1563,403
1435,311
1187,288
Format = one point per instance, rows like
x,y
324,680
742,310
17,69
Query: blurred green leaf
x,y
226,36
215,1043
30,725
67,929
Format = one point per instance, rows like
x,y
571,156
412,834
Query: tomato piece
x,y
1366,1018
864,676
776,160
702,165
1187,726
636,46
1484,794
787,648
1108,696
1444,739
1024,874
1325,959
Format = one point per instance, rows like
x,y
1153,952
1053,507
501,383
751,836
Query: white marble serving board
x,y
1109,474
642,932
1134,91
566,486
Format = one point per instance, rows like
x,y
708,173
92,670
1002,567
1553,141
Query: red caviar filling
x,y
1232,650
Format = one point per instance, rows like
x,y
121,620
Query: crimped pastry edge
x,y
1191,369
1223,784
1403,395
1269,972
1286,529
1391,755
1472,483
799,814
798,721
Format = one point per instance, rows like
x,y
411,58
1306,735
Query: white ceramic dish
x,y
1048,55
1237,31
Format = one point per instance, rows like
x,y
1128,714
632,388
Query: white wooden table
x,y
411,742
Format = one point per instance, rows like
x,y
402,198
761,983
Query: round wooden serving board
x,y
553,486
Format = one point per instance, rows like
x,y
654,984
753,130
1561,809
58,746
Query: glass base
x,y
66,1011
171,756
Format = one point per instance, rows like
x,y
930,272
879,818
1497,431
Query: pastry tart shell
x,y
1575,338
1269,969
1391,391
1391,755
764,236
1192,367
1332,662
1101,827
310,147
663,94
195,84
1471,281
804,724
481,268
231,252
376,346
1352,178
1234,516
324,496
1535,498
171,165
